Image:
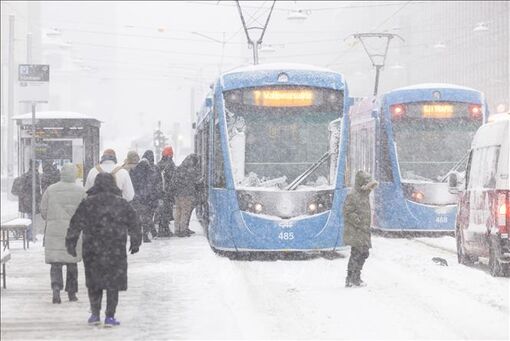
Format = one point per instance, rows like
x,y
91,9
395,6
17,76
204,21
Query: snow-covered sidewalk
x,y
179,289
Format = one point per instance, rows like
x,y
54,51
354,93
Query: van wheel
x,y
462,257
497,268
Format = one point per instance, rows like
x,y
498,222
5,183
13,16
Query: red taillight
x,y
503,212
475,111
397,111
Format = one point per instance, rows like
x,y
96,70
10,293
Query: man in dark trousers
x,y
357,220
167,168
22,188
105,220
147,183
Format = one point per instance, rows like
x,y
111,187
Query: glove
x,y
133,249
71,251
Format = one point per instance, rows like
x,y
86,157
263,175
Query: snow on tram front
x,y
272,141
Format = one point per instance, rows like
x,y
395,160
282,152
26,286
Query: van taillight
x,y
503,212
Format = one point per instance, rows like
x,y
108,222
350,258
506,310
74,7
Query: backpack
x,y
114,171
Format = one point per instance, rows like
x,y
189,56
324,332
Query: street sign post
x,y
34,81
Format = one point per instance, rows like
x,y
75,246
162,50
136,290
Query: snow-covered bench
x,y
19,225
5,257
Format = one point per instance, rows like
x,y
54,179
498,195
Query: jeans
x,y
57,281
95,298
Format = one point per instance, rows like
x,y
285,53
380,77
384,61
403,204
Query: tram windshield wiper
x,y
302,177
455,167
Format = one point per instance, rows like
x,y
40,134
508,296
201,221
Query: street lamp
x,y
298,15
439,45
481,27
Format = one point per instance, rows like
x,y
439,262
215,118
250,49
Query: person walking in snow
x,y
58,204
357,220
146,181
131,161
184,185
108,164
50,175
105,220
167,168
22,188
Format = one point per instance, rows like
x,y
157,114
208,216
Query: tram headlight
x,y
412,193
320,203
417,196
257,207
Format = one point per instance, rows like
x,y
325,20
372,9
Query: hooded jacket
x,y
106,220
357,213
186,178
50,176
58,204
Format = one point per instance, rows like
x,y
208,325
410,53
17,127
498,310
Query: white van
x,y
483,215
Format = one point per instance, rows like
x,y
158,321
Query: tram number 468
x,y
286,235
441,219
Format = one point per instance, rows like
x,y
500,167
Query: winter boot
x,y
357,279
348,279
56,296
146,238
72,297
94,320
111,322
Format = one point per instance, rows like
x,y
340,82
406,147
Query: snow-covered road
x,y
179,289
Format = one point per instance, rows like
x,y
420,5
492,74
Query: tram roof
x,y
267,74
55,115
423,86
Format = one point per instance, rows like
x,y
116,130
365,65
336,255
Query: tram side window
x,y
219,167
384,161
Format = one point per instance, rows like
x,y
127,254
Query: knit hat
x,y
168,151
132,157
109,154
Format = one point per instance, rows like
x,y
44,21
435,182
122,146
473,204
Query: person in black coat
x,y
50,176
22,188
147,184
105,220
185,185
167,169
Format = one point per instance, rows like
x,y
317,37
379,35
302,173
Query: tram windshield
x,y
277,134
430,142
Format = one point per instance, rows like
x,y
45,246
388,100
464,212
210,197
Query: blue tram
x,y
272,141
411,140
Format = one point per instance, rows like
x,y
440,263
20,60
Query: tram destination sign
x,y
33,81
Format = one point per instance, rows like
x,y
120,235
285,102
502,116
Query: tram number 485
x,y
286,235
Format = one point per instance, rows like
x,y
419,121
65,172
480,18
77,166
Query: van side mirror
x,y
453,183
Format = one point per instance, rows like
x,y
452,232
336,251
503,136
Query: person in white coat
x,y
108,164
58,204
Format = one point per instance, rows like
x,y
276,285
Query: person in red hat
x,y
167,168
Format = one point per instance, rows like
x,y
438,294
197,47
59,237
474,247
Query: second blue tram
x,y
411,140
272,141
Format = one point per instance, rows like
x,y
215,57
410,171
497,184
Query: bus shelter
x,y
61,137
